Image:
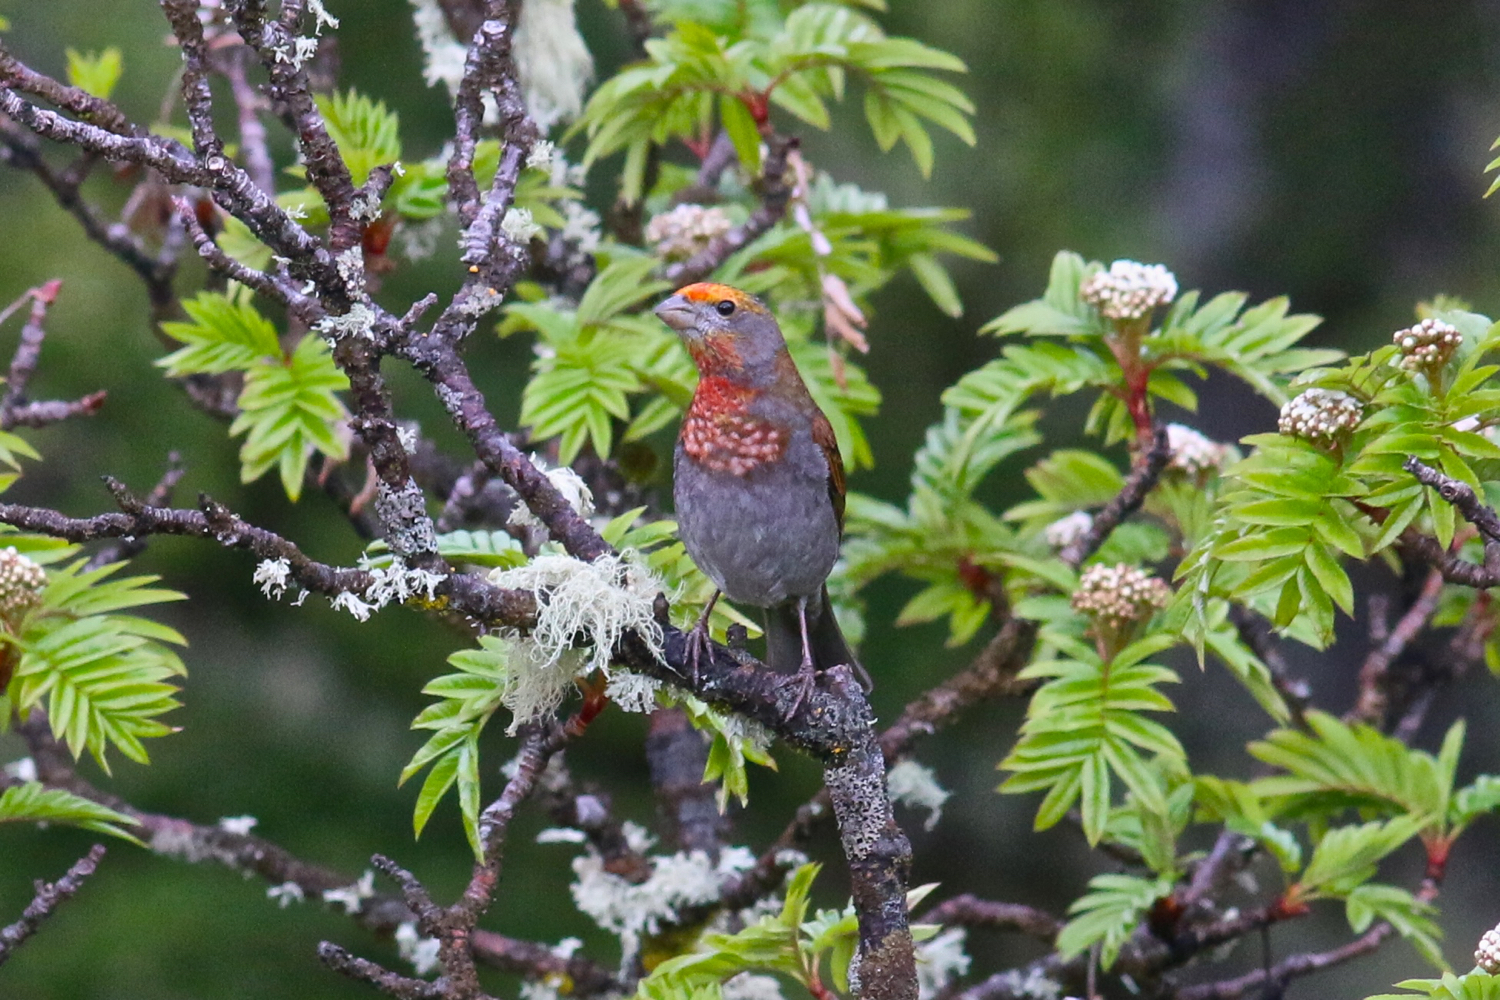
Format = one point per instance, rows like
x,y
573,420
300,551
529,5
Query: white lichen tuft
x,y
1192,452
399,583
596,601
1129,290
271,576
752,986
286,894
567,482
911,784
421,952
303,49
519,226
550,987
350,602
359,322
553,63
1034,985
539,157
350,264
238,825
352,897
321,18
633,692
365,206
630,911
1320,415
1067,530
939,960
443,55
686,229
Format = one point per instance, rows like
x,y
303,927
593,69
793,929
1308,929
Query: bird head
x,y
728,332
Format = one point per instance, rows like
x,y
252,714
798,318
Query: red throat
x,y
720,433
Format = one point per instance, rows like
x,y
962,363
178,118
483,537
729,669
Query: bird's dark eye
x,y
725,308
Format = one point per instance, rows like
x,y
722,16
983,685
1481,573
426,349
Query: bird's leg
x,y
807,674
699,642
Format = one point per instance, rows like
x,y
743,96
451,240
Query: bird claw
x,y
804,682
699,645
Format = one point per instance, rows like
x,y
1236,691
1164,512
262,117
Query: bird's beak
x,y
678,313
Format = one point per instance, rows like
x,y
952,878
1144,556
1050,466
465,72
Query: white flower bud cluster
x,y
1487,955
1320,415
1192,452
1119,595
686,229
1129,290
1067,530
21,582
1429,344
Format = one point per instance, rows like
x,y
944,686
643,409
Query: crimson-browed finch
x,y
758,481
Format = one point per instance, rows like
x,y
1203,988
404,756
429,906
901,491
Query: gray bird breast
x,y
763,537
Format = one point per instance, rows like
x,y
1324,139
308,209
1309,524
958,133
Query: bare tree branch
x,y
969,910
1374,675
1143,477
47,899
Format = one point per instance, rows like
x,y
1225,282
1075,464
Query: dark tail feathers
x,y
784,638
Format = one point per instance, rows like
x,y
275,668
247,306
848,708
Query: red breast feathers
x,y
720,433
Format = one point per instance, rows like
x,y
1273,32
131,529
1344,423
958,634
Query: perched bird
x,y
758,481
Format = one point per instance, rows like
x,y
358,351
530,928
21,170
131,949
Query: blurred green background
x,y
1327,149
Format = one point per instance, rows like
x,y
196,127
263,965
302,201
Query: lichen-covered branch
x,y
290,879
470,594
1483,517
48,897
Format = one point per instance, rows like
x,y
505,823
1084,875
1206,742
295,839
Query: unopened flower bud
x,y
1120,595
686,229
1487,955
1192,452
1129,290
21,583
1429,344
1320,415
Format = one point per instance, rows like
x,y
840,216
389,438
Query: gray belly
x,y
762,538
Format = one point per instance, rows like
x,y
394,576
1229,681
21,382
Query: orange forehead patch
x,y
709,291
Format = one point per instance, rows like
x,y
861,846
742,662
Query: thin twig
x,y
1292,967
390,983
1463,498
1144,474
1374,675
775,195
969,910
47,899
1255,632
